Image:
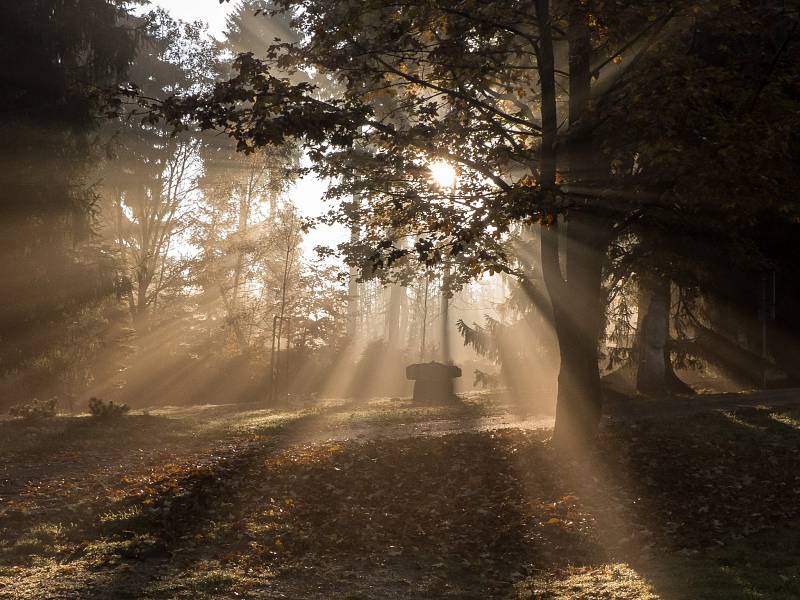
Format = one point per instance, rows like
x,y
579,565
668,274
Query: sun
x,y
443,174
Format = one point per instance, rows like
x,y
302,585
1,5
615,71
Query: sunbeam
x,y
329,299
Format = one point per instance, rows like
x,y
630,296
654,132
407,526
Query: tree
x,y
462,80
249,30
285,266
152,181
480,85
60,63
706,129
241,202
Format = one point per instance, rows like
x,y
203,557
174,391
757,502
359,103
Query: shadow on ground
x,y
697,506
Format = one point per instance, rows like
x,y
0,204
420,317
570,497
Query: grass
x,y
612,580
122,515
759,566
218,501
210,582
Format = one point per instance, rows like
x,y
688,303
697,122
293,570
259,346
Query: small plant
x,y
486,380
103,409
36,409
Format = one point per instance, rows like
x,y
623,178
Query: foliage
x,y
517,339
103,409
485,380
481,338
247,233
435,82
199,243
60,65
250,30
480,86
376,372
152,177
35,409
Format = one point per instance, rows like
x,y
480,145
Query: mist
x,y
323,299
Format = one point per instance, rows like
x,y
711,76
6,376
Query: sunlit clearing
x,y
616,580
443,174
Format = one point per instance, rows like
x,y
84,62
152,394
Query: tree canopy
x,y
614,117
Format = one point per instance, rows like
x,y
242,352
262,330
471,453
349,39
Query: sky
x,y
306,193
210,11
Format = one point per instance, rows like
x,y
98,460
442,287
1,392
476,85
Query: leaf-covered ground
x,y
390,500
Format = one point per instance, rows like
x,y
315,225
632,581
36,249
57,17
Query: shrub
x,y
485,380
106,409
36,409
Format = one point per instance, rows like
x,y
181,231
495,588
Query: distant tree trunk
x,y
126,286
424,330
238,269
231,311
282,309
652,336
161,271
353,296
404,340
445,314
272,357
353,302
654,372
143,279
392,321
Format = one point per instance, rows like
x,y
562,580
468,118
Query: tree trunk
x,y
353,299
578,320
241,231
282,309
392,321
445,314
652,336
655,374
143,279
404,340
579,399
272,357
424,331
577,298
353,302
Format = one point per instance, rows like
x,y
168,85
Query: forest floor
x,y
385,499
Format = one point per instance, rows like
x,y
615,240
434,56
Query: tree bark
x,y
444,314
392,320
353,296
577,298
652,336
655,374
578,320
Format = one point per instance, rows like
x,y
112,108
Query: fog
x,y
334,299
